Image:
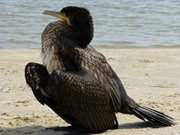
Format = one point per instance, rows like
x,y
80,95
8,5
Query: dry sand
x,y
151,77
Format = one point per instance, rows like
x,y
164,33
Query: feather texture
x,y
79,101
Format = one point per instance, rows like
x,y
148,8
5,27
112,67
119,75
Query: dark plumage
x,y
76,97
77,82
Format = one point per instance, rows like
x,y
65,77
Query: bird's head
x,y
79,20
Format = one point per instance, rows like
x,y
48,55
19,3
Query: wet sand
x,y
150,75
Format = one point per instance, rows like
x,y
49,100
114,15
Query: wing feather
x,y
96,63
84,98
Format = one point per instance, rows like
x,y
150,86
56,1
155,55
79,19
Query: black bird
x,y
77,82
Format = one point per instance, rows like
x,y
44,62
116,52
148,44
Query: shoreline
x,y
111,47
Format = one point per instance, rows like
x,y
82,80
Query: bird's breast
x,y
51,60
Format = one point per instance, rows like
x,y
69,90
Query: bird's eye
x,y
62,13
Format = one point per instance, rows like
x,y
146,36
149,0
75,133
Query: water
x,y
117,22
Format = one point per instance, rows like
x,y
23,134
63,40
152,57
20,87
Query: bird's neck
x,y
81,35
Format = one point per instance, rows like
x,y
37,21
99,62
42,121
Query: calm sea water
x,y
117,22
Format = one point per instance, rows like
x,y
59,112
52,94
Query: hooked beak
x,y
59,15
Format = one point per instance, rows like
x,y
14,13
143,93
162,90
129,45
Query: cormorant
x,y
77,82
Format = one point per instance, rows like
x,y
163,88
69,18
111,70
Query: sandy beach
x,y
150,75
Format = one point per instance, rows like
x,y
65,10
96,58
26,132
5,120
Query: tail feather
x,y
160,113
155,117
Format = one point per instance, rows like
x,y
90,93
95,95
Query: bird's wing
x,y
76,97
37,76
84,98
96,63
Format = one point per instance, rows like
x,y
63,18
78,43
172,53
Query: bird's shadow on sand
x,y
69,130
136,125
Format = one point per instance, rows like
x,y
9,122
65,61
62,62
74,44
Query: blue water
x,y
117,22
